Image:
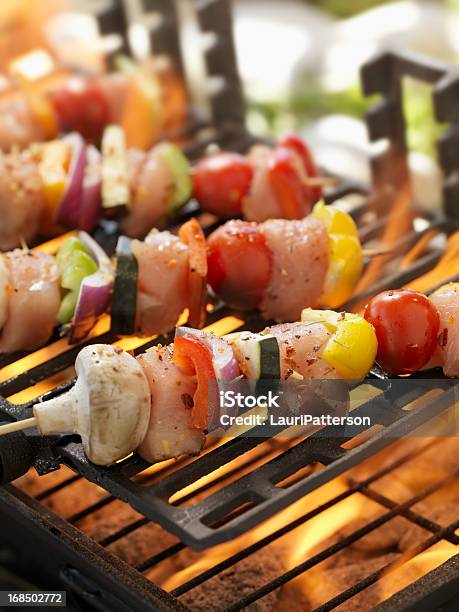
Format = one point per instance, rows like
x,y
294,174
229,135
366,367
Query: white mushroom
x,y
109,405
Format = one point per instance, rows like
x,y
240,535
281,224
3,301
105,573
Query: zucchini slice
x,y
115,180
179,167
259,356
124,301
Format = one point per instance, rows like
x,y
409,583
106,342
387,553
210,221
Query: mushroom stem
x,y
18,426
57,415
53,416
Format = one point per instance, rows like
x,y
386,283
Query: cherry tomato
x,y
407,326
239,264
295,143
196,359
287,184
81,105
220,183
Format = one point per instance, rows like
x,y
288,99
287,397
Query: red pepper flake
x,y
443,338
187,401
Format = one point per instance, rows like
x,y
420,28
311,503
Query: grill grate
x,y
99,562
240,505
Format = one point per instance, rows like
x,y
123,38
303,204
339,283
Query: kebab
x,y
68,184
324,345
280,266
280,182
39,291
163,403
147,101
316,261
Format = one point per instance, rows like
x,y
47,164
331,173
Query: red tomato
x,y
196,359
295,143
81,105
192,235
220,183
407,326
287,184
239,264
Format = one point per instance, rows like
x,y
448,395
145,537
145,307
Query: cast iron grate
x,y
82,563
203,524
219,517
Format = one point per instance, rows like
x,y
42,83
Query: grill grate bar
x,y
239,556
58,487
127,529
397,279
414,517
98,505
163,555
331,550
191,523
387,569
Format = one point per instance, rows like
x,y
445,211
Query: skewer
x,y
321,181
18,425
377,251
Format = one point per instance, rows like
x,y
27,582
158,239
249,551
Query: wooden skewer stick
x,y
376,252
18,426
320,181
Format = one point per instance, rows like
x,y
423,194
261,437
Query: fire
x,y
398,224
402,574
446,267
295,546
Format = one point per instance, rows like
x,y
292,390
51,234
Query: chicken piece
x,y
261,203
21,199
446,301
169,433
18,125
151,186
33,300
300,264
300,347
163,264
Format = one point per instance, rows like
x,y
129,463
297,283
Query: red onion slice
x,y
91,198
69,209
95,292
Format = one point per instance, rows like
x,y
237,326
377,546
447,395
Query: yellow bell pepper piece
x,y
44,114
344,270
336,221
353,345
53,162
345,254
40,107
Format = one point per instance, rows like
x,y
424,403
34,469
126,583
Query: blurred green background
x,y
309,99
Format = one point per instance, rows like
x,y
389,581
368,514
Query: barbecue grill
x,y
262,477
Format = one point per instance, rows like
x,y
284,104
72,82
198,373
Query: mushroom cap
x,y
111,406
